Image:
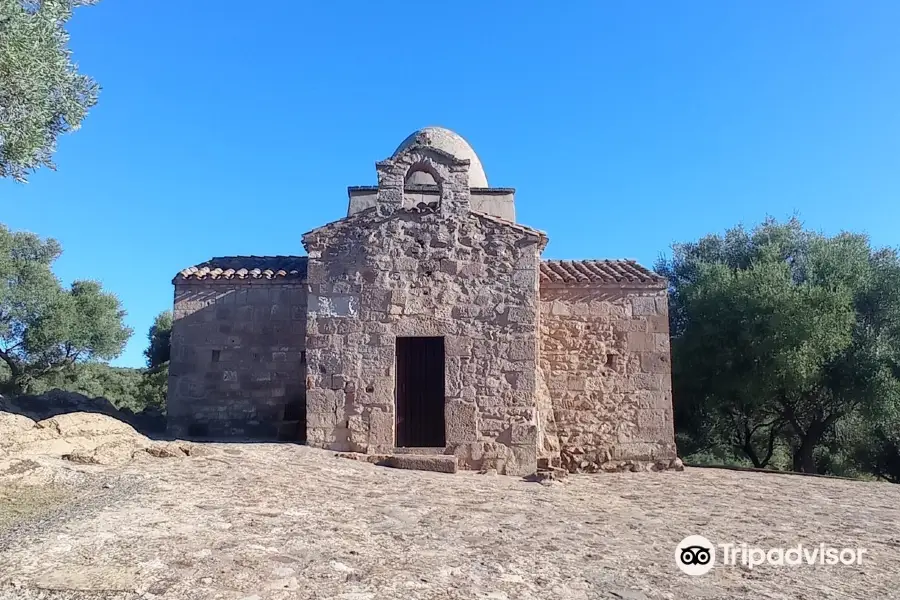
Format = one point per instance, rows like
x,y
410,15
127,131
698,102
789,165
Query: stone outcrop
x,y
80,437
58,402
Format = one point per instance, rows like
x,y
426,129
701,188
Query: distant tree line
x,y
58,336
786,350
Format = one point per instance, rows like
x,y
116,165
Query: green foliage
x,y
780,335
155,381
119,385
153,387
44,326
157,353
136,389
42,95
873,447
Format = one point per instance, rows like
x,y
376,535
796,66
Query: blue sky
x,y
624,127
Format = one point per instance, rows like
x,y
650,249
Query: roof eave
x,y
617,285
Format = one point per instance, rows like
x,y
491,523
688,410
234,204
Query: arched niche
x,y
447,178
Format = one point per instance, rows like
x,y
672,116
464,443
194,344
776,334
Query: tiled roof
x,y
294,267
597,271
246,267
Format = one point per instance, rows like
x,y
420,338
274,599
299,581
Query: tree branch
x,y
791,416
13,365
770,447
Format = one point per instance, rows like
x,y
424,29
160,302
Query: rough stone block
x,y
381,428
523,434
519,314
575,383
417,462
658,324
652,421
662,305
323,420
457,346
465,311
461,422
640,342
655,362
643,306
524,461
661,342
323,401
522,350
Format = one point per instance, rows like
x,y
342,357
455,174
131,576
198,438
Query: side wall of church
x,y
469,279
237,364
606,363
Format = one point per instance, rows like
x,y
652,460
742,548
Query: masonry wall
x,y
497,202
467,278
605,359
237,364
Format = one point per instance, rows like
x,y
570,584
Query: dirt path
x,y
269,522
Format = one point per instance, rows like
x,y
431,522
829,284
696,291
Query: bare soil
x,y
270,522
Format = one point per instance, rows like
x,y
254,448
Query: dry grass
x,y
23,503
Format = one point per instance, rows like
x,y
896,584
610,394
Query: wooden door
x,y
420,392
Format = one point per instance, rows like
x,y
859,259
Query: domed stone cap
x,y
451,143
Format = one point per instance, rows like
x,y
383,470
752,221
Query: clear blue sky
x,y
225,129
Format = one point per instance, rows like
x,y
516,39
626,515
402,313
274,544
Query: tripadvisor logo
x,y
696,555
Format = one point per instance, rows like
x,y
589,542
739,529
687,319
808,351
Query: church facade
x,y
427,321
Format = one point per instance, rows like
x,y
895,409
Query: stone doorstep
x,y
439,463
422,462
441,451
548,474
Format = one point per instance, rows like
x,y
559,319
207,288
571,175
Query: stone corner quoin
x,y
522,361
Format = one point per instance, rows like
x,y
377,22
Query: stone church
x,y
426,322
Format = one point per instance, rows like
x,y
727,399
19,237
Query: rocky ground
x,y
269,521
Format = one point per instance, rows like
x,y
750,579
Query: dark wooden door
x,y
420,392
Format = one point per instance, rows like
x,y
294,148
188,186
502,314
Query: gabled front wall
x,y
605,360
418,273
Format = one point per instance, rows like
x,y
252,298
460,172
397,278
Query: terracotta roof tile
x,y
246,267
597,271
226,268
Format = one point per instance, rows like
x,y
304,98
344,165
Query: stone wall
x,y
238,359
466,277
499,202
605,359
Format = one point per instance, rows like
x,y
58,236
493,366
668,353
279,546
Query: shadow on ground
x,y
149,422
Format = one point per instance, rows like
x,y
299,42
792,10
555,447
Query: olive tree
x,y
779,334
46,327
42,94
